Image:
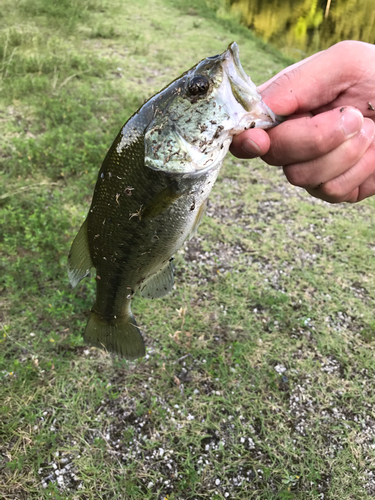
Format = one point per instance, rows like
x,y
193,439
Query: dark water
x,y
302,27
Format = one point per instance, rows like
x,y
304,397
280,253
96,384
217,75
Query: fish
x,y
152,190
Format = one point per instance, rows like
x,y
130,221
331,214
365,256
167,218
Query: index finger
x,y
312,83
266,84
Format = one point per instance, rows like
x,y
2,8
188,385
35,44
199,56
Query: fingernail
x,y
250,148
351,122
368,128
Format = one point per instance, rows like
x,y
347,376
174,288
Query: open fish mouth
x,y
212,102
246,93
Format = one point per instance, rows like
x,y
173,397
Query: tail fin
x,y
120,335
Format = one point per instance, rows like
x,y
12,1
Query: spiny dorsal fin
x,y
79,260
159,284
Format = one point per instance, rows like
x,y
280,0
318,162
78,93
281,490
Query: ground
x,y
259,376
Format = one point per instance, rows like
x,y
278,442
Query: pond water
x,y
299,28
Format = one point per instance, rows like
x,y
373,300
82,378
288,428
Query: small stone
x,y
280,369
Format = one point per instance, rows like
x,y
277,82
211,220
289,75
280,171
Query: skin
x,y
327,144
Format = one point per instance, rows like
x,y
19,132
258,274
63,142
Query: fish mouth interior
x,y
235,53
245,91
234,69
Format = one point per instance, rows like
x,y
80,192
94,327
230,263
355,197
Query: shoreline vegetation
x,y
258,381
303,27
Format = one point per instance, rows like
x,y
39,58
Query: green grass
x,y
259,378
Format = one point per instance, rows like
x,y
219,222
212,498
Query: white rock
x,y
280,368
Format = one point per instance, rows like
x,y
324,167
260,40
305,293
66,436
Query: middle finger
x,y
311,174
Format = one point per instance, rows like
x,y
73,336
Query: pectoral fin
x,y
159,284
161,202
79,260
198,219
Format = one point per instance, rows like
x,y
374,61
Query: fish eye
x,y
198,85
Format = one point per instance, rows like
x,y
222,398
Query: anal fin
x,y
79,260
160,284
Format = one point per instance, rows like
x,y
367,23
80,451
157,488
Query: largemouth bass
x,y
152,189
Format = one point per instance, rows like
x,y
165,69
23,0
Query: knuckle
x,y
346,48
344,45
320,143
296,175
274,156
333,192
355,196
354,55
352,148
288,79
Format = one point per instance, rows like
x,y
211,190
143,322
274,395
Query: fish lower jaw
x,y
255,119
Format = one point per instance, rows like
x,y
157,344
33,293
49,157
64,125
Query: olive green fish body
x,y
152,189
138,219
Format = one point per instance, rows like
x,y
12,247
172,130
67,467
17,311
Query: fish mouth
x,y
245,92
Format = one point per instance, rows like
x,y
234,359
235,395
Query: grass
x,y
259,377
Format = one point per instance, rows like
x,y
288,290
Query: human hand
x,y
327,144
